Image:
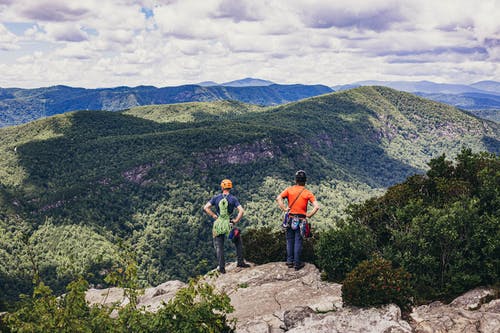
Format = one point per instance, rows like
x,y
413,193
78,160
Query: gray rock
x,y
263,293
294,317
473,299
473,312
151,299
107,296
386,319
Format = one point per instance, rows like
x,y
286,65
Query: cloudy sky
x,y
107,43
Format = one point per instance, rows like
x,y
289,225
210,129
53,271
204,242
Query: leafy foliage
x,y
340,249
443,228
374,282
268,244
44,312
195,308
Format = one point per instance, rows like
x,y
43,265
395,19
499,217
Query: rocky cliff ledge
x,y
273,298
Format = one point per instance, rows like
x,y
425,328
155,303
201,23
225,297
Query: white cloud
x,y
169,42
8,41
65,32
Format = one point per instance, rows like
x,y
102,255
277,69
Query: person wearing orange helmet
x,y
298,198
224,204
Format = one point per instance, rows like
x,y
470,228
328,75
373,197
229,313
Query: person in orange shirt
x,y
298,197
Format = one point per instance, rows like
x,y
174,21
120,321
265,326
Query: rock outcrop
x,y
474,312
273,298
152,298
385,319
261,294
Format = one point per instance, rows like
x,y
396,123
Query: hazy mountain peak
x,y
247,82
207,83
492,86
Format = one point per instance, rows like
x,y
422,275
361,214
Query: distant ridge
x,y
18,106
491,86
247,82
207,84
429,87
481,98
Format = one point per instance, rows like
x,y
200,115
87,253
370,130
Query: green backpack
x,y
221,225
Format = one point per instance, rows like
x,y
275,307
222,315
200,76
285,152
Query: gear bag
x,y
305,229
221,225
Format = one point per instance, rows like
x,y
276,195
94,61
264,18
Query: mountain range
x,y
18,106
75,186
484,87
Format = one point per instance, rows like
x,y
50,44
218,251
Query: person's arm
x,y
315,209
281,203
241,211
209,211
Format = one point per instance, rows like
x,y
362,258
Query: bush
x,y
196,308
340,250
265,244
443,228
374,282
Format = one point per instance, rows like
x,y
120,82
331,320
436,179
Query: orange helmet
x,y
226,184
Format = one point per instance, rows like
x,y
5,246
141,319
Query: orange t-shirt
x,y
300,206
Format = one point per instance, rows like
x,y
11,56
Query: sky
x,y
109,43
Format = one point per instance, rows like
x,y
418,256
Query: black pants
x,y
219,250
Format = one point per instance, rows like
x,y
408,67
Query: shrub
x,y
196,308
374,282
265,244
443,228
340,250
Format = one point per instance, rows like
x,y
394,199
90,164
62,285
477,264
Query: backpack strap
x,y
298,196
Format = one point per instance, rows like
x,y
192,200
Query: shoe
x,y
243,265
299,266
289,264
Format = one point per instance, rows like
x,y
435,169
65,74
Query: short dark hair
x,y
300,177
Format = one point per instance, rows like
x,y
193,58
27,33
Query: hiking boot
x,y
289,264
243,265
299,266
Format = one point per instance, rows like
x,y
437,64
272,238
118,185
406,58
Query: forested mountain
x,y
74,186
19,106
428,87
480,98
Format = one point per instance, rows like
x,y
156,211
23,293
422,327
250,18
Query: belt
x,y
301,216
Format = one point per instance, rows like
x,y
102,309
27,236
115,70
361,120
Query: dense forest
x,y
77,188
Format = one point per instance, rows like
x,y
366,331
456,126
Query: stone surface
x,y
152,298
107,296
273,298
473,312
386,319
473,299
263,293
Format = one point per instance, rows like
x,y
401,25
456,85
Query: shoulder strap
x,y
298,196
